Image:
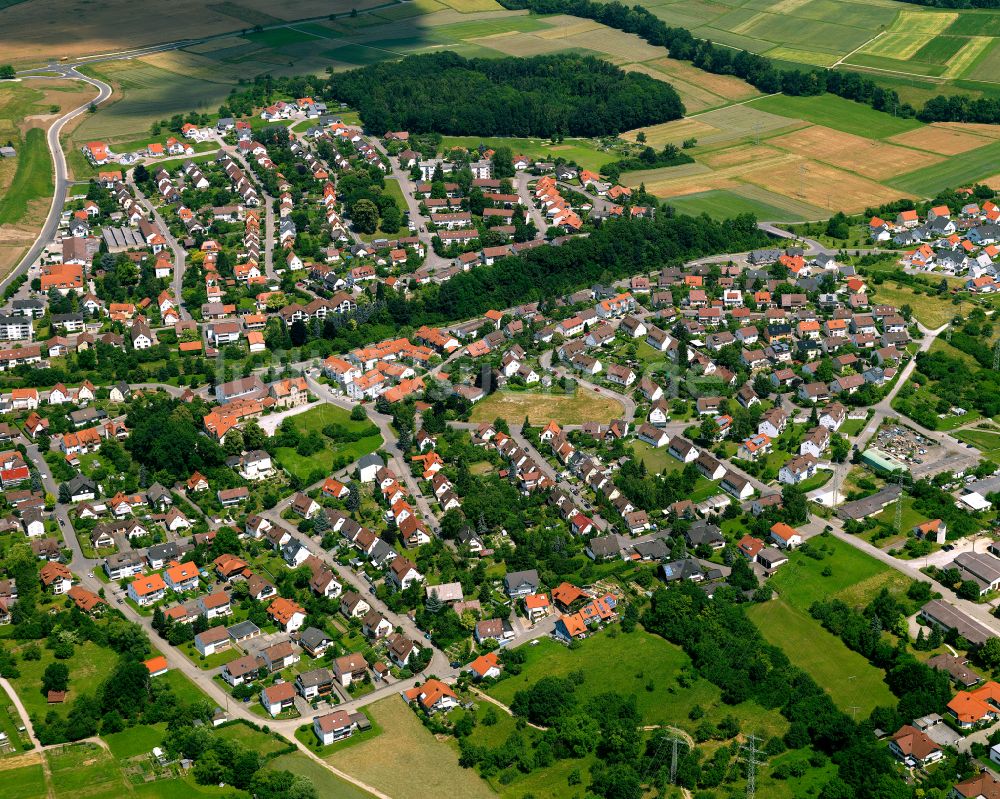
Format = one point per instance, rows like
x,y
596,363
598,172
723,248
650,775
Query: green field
x,y
643,665
32,180
328,785
837,113
539,408
408,761
247,736
315,419
856,577
89,666
958,171
150,94
930,310
135,740
986,441
85,770
852,682
724,204
583,151
25,782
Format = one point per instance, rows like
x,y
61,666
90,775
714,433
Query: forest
x,y
760,71
549,95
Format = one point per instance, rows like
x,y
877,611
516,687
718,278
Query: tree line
x,y
547,95
760,71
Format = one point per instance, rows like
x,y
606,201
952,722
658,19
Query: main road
x,y
61,182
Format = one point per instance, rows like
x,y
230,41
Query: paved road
x,y
61,181
180,254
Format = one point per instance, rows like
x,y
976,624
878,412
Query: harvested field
x,y
822,185
469,6
812,57
989,131
584,406
868,157
734,156
723,85
615,43
942,138
217,44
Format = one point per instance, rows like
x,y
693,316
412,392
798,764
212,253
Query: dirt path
x,y
502,706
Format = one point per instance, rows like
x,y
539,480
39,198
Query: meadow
x,y
853,683
415,764
314,420
539,408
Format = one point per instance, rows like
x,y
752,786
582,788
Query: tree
x,y
7,72
55,677
968,589
989,653
65,496
364,214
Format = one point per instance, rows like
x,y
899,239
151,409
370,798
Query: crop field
x,y
971,166
24,782
944,44
942,138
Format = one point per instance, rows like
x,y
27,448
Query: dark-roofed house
x,y
521,583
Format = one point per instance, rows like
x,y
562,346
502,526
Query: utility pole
x,y
996,356
673,760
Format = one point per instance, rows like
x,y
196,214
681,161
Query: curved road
x,y
61,182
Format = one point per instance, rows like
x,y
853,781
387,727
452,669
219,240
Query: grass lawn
x,y
185,788
643,665
88,668
415,764
328,785
909,518
184,689
316,419
801,582
986,441
656,458
25,782
583,406
250,738
852,427
849,678
135,740
213,661
837,113
930,311
308,737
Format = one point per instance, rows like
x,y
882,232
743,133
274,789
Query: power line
x,y
750,752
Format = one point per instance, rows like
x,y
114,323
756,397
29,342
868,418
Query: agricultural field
x,y
416,765
584,405
24,782
852,682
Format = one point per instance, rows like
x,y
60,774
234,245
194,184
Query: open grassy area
x,y
801,582
972,166
408,760
583,406
33,179
640,664
85,770
328,785
584,152
135,740
88,668
9,722
314,420
246,736
23,782
986,441
852,682
931,311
